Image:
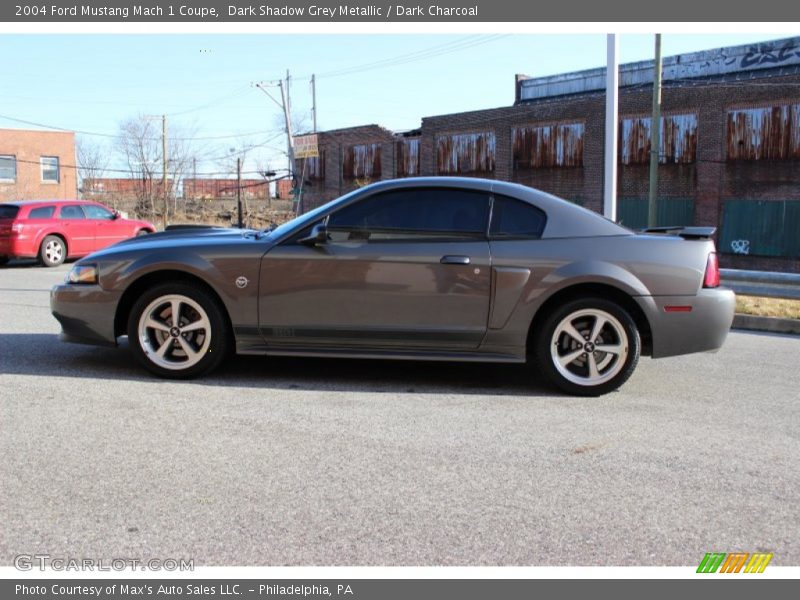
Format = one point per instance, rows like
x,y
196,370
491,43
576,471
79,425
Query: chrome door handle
x,y
455,260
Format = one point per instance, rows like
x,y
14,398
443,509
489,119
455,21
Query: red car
x,y
54,230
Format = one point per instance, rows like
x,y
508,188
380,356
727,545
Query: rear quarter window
x,y
42,212
8,211
515,219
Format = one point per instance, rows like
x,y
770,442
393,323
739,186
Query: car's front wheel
x,y
53,251
178,331
588,347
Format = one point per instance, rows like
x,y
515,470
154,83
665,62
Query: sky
x,y
204,83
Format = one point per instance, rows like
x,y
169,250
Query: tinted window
x,y
516,219
8,211
71,212
97,212
416,211
42,212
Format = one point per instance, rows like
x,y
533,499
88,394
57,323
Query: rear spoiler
x,y
687,233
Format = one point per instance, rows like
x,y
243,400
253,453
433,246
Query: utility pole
x,y
314,101
655,138
239,189
612,125
164,166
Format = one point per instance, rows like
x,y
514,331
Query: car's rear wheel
x,y
4,260
178,331
588,347
53,251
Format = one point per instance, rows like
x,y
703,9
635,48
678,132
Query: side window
x,y
42,212
72,211
516,219
97,212
412,215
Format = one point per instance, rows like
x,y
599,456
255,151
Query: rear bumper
x,y
86,313
16,247
704,327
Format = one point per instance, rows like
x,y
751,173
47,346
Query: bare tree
x,y
92,161
140,144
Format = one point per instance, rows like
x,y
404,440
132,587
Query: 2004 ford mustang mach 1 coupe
x,y
425,268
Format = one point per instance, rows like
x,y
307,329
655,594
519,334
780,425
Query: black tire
x,y
556,339
53,251
3,260
209,340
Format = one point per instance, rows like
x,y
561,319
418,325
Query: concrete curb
x,y
771,324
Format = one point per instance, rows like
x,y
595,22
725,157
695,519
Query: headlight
x,y
82,274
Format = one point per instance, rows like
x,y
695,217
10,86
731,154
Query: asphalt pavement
x,y
334,462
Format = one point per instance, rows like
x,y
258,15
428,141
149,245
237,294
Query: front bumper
x,y
86,313
703,328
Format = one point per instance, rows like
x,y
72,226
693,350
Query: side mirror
x,y
318,235
116,216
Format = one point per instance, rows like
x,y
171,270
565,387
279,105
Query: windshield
x,y
309,217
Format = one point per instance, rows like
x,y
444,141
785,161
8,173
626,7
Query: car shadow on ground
x,y
43,355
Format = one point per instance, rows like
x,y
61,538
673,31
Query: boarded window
x,y
362,161
313,167
771,132
548,146
678,142
669,211
761,227
408,157
460,154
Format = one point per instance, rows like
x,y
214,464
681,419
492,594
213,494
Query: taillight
x,y
711,279
16,228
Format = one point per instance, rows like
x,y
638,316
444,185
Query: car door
x,y
399,269
106,227
77,228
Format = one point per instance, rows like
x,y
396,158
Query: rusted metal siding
x,y
464,153
771,132
408,157
362,161
678,140
548,146
313,167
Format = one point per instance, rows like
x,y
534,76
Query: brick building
x,y
205,188
729,153
37,165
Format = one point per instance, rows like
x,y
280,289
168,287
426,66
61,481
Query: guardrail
x,y
762,283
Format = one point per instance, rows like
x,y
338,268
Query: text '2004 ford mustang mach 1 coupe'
x,y
429,268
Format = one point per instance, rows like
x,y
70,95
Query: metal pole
x,y
239,190
612,110
164,166
655,139
314,100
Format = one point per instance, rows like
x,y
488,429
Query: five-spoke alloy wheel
x,y
178,331
588,346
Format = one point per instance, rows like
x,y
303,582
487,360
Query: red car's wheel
x,y
53,251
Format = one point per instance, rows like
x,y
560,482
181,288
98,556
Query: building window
x,y
8,167
408,157
465,153
767,133
50,170
362,161
548,146
313,167
677,141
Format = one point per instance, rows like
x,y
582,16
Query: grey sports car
x,y
426,269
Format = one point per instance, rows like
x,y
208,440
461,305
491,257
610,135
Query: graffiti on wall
x,y
740,246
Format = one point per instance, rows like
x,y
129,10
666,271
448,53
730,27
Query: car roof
x,y
22,203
